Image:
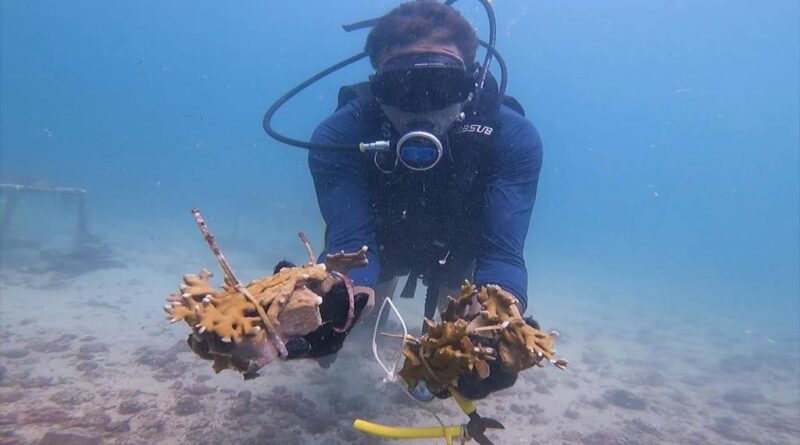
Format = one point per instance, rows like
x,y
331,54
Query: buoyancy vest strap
x,y
410,288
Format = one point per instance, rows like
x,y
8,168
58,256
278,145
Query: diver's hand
x,y
329,338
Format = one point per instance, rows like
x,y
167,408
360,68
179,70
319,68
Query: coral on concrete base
x,y
245,327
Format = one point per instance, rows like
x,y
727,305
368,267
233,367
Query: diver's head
x,y
423,25
423,53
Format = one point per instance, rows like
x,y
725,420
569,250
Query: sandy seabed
x,y
92,360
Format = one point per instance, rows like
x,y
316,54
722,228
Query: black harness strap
x,y
431,300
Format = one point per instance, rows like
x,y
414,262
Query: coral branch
x,y
312,259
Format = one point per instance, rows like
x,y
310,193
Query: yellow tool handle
x,y
392,432
464,403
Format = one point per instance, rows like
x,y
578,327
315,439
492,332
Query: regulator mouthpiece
x,y
419,150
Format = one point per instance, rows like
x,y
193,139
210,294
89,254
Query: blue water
x,y
671,132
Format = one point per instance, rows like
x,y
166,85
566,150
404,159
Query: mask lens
x,y
422,89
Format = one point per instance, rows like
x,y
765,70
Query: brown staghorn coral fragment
x,y
230,315
442,355
461,307
447,351
245,327
521,346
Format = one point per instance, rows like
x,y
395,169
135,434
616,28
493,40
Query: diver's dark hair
x,y
421,20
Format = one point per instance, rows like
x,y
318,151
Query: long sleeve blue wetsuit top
x,y
476,210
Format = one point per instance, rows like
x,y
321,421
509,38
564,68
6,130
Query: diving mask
x,y
417,83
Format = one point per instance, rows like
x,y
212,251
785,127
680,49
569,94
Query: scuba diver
x,y
428,164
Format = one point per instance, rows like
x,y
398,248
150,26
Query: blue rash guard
x,y
510,175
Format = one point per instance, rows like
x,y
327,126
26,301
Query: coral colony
x,y
447,351
244,327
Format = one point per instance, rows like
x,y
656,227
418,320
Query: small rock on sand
x,y
187,406
625,399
